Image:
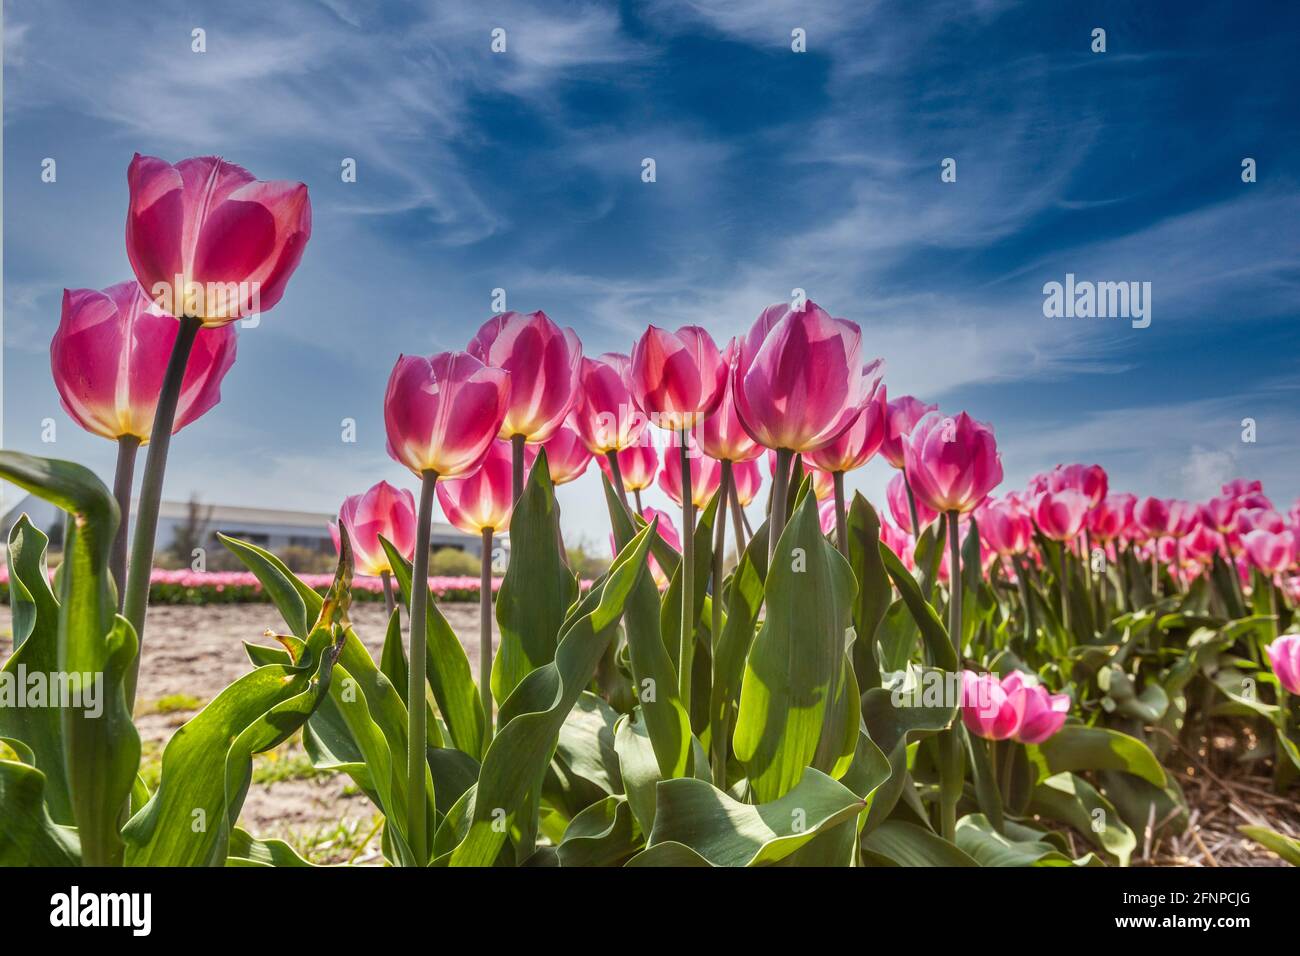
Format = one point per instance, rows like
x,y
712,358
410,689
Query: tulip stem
x,y
718,736
127,447
911,509
416,761
737,521
1155,567
949,742
1065,592
780,492
516,468
136,603
387,578
485,636
686,646
612,457
841,521
636,496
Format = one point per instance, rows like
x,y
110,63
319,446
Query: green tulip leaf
x,y
1076,747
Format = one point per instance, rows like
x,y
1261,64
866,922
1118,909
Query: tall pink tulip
x,y
896,498
723,437
1089,480
705,478
381,510
1152,516
1060,514
748,481
677,378
108,356
1106,521
904,412
1004,528
442,413
799,378
605,415
952,463
1271,552
1284,655
567,456
208,240
544,362
1183,518
481,499
1217,513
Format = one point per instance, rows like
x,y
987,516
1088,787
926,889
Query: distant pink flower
x,y
904,412
1004,528
747,481
677,378
483,498
1089,480
722,436
858,443
544,362
896,498
952,463
604,414
1271,552
1060,514
706,476
566,455
381,510
638,465
1284,655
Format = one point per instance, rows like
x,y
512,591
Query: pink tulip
x,y
904,412
442,413
746,481
1089,480
856,445
987,710
677,378
723,437
544,362
566,455
706,476
638,464
1042,714
1152,516
1183,518
604,413
826,516
1106,521
1271,552
666,530
1003,527
1284,655
1202,544
897,541
109,354
1259,519
1060,514
382,510
896,498
1217,513
481,499
1240,487
208,240
799,378
952,463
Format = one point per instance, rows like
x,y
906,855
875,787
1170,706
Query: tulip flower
x,y
1240,487
987,709
748,481
723,437
899,542
382,510
1060,514
678,379
544,362
1041,714
1106,521
1284,656
566,455
637,467
1271,552
851,449
442,415
605,415
705,478
902,510
952,463
1259,519
107,358
1004,528
210,242
1089,480
904,412
1218,513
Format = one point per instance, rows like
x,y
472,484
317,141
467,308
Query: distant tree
x,y
193,532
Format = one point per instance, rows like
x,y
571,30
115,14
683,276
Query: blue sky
x,y
775,170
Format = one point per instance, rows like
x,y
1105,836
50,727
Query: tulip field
x,y
960,674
